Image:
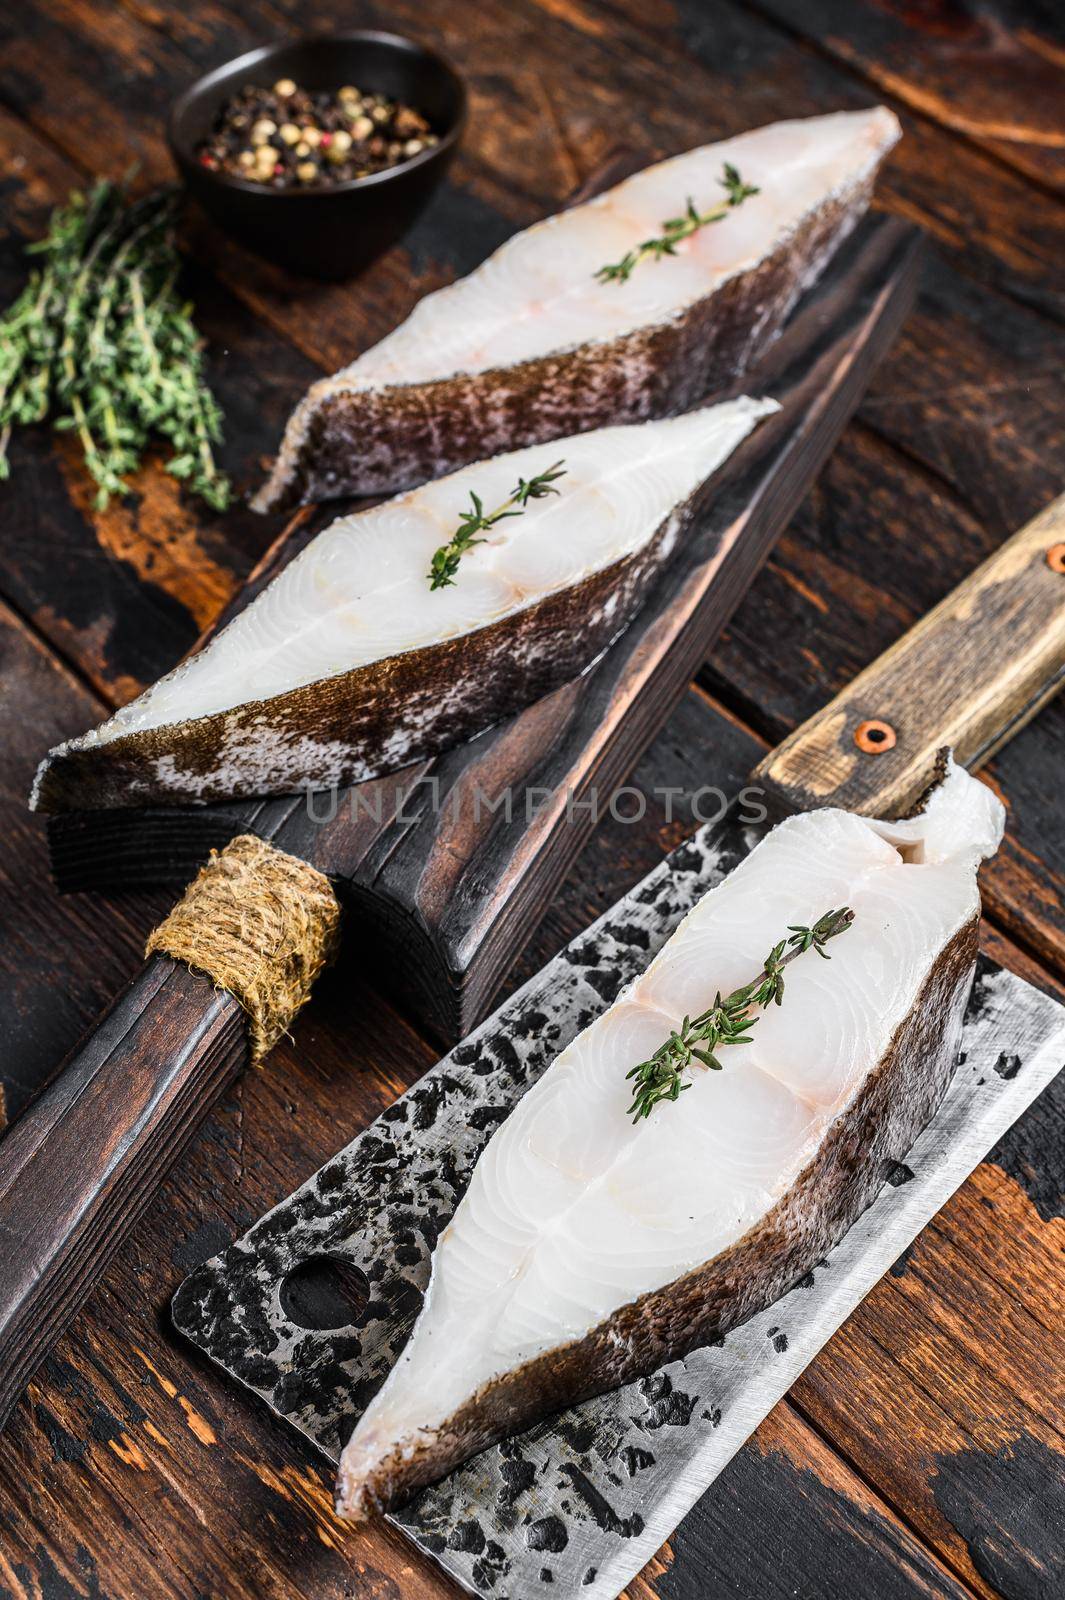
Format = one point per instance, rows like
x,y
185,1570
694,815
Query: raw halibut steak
x,y
532,344
589,1250
350,664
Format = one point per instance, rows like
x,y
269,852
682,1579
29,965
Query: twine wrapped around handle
x,y
260,924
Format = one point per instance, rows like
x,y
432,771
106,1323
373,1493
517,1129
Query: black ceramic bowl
x,y
325,232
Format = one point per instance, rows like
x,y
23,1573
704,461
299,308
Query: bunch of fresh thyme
x,y
679,228
101,340
476,520
726,1021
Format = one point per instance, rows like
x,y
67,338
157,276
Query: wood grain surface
x,y
922,1452
83,1163
972,672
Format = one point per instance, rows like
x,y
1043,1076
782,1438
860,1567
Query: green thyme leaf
x,y
445,562
100,341
678,228
726,1021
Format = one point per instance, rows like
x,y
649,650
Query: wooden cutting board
x,y
448,879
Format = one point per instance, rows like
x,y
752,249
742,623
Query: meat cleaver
x,y
79,1167
311,1307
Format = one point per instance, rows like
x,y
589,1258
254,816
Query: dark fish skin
x,y
372,720
377,441
897,1100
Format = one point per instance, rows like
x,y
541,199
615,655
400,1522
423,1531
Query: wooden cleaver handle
x,y
81,1164
969,675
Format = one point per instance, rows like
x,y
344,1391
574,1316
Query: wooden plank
x,y
972,395
960,1435
759,1510
55,971
80,1166
1010,58
124,593
200,1498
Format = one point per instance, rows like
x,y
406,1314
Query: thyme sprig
x,y
101,340
728,1020
476,520
678,228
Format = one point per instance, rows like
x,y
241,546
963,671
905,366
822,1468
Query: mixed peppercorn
x,y
287,137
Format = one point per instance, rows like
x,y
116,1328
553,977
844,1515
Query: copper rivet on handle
x,y
874,737
1056,558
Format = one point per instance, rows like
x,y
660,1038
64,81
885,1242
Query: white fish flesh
x,y
532,345
349,664
588,1250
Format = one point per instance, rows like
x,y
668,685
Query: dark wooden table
x,y
922,1453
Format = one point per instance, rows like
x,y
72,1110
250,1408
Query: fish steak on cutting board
x,y
590,1249
534,344
350,664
